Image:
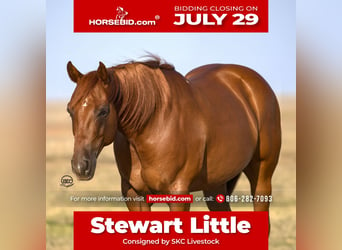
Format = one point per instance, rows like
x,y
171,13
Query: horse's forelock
x,y
83,88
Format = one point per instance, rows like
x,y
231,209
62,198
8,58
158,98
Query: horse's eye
x,y
103,112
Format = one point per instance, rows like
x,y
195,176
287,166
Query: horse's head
x,y
94,119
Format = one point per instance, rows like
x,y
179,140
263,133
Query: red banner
x,y
173,230
171,16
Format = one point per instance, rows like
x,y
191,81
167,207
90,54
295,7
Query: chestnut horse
x,y
174,134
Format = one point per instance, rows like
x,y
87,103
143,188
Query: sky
x,y
271,54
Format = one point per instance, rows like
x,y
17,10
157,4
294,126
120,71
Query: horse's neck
x,y
143,93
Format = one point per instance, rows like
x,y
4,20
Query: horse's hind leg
x,y
226,189
230,185
259,172
260,181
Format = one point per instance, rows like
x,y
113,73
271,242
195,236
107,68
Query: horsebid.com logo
x,y
120,19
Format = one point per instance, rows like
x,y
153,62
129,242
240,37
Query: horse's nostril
x,y
86,166
83,167
80,169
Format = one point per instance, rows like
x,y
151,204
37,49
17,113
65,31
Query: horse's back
x,y
244,83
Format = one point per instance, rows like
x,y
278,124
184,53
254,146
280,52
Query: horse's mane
x,y
140,89
152,61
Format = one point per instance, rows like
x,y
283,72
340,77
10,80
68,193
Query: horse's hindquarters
x,y
241,113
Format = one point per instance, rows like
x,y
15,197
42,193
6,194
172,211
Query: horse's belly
x,y
232,135
229,151
224,164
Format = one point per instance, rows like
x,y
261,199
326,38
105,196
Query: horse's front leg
x,y
129,167
134,201
179,189
179,206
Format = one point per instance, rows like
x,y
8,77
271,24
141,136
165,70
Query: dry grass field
x,y
59,147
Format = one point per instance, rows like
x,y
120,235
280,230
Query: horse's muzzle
x,y
83,169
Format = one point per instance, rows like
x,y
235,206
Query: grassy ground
x,y
59,147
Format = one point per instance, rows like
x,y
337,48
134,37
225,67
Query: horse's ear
x,y
103,73
73,73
